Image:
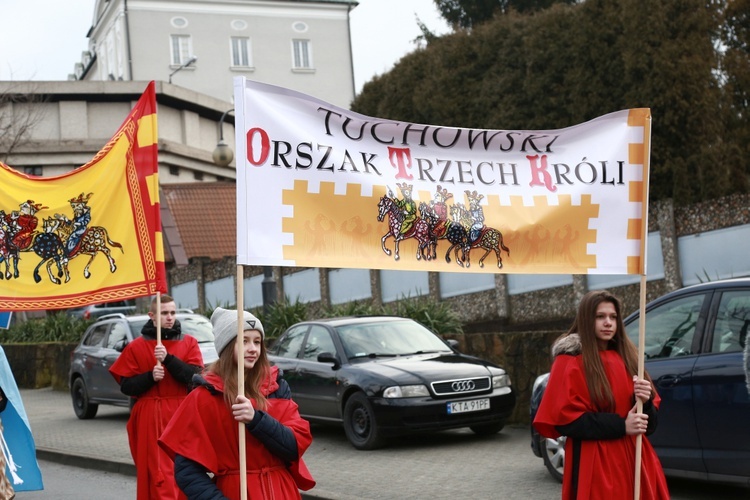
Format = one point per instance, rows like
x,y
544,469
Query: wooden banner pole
x,y
642,302
241,377
157,320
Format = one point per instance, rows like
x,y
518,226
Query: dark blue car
x,y
698,356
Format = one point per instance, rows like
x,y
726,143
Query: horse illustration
x,y
489,238
51,249
95,240
51,246
4,250
419,229
449,230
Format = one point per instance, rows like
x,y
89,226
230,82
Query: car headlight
x,y
500,381
405,391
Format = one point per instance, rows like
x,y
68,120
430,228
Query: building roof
x,y
205,216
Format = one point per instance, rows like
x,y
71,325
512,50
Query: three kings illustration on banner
x,y
59,239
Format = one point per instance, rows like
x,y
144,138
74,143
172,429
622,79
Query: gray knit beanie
x,y
224,323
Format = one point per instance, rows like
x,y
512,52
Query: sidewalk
x,y
442,466
101,443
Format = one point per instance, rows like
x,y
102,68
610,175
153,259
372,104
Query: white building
x,y
202,44
54,127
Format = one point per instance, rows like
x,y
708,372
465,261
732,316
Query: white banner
x,y
321,186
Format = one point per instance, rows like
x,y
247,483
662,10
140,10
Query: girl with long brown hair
x,y
203,436
591,398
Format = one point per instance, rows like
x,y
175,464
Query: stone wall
x,y
40,365
497,310
513,331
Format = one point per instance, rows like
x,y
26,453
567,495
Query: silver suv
x,y
89,379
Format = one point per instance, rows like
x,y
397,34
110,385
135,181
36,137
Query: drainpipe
x,y
127,42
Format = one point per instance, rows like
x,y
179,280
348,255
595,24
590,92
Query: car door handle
x,y
668,380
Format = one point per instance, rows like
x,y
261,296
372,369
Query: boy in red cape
x,y
590,398
157,375
203,436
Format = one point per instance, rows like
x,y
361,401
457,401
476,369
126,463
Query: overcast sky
x,y
43,39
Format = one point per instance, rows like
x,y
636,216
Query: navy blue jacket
x,y
192,477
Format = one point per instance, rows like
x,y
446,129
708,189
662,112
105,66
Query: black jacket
x,y
182,372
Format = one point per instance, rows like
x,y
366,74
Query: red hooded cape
x,y
606,468
152,412
204,430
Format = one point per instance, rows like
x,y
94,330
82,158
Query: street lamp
x,y
223,154
188,63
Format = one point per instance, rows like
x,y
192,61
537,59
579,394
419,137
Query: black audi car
x,y
387,376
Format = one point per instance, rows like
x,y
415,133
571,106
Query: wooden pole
x,y
642,302
639,404
157,320
241,377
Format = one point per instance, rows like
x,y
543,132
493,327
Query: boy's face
x,y
167,316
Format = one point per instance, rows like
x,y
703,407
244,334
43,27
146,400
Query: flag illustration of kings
x,y
90,235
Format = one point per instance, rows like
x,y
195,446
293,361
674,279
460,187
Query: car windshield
x,y
388,338
194,325
198,327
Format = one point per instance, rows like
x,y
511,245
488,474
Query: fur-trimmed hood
x,y
567,344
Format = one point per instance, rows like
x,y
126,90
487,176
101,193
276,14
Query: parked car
x,y
93,311
694,343
387,376
89,379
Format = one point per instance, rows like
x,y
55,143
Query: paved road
x,y
453,464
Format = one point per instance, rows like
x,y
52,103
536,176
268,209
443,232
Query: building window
x,y
181,49
174,170
241,52
36,170
198,176
301,54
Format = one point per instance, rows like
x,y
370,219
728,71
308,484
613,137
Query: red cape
x,y
152,412
204,430
606,468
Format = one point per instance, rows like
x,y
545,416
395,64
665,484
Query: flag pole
x,y
241,377
157,320
642,301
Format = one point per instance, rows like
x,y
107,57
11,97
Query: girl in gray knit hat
x,y
203,436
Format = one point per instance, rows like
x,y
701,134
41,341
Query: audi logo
x,y
463,385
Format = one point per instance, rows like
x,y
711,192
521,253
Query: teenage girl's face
x,y
251,345
605,324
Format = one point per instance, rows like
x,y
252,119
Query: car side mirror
x,y
453,343
120,345
327,357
